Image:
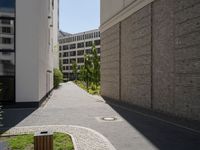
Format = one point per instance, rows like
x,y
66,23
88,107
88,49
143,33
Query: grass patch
x,y
61,141
21,142
92,88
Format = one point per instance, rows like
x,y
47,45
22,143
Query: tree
x,y
58,77
90,72
95,66
75,70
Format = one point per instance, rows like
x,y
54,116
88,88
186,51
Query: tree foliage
x,y
58,77
75,70
90,72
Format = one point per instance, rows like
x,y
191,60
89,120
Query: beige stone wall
x,y
136,58
110,63
155,58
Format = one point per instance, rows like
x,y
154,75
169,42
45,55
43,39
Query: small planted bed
x,y
61,141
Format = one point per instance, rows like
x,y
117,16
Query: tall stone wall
x,y
163,66
152,58
110,74
136,58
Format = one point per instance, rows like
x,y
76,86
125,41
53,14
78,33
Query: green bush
x,y
57,77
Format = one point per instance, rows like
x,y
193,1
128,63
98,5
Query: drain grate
x,y
109,118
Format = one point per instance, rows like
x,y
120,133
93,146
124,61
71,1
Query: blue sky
x,y
79,15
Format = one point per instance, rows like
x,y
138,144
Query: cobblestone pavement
x,y
83,138
70,105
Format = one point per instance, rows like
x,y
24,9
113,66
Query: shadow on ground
x,y
162,135
11,117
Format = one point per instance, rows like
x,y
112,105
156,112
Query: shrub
x,y
57,77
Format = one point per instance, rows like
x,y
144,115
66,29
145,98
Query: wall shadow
x,y
12,116
162,135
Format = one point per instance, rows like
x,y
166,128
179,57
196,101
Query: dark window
x,y
6,30
65,61
81,52
80,45
7,63
9,4
60,54
89,43
88,51
80,60
60,48
65,54
6,40
97,42
65,47
7,89
72,60
65,75
98,50
6,21
72,46
73,53
7,59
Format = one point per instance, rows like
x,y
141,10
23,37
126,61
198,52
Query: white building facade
x,y
28,49
73,47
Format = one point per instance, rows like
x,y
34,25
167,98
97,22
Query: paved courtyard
x,y
70,105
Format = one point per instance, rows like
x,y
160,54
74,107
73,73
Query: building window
x,y
80,45
65,54
6,40
72,60
60,54
88,51
97,42
72,46
65,61
73,53
65,47
89,43
6,30
6,21
7,59
80,53
98,50
7,88
80,60
60,48
7,64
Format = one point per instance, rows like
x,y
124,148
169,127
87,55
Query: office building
x,y
28,50
73,47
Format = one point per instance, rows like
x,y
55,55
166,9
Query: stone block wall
x,y
136,58
152,58
110,74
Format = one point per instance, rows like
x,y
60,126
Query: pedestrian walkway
x,y
70,105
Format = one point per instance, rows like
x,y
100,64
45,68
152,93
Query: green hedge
x,y
57,77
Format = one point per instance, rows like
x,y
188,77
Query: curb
x,y
83,138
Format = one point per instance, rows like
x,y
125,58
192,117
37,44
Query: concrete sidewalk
x,y
70,105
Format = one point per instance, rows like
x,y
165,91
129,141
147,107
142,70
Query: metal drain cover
x,y
109,118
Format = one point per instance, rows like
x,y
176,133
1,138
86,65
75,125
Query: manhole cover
x,y
109,118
